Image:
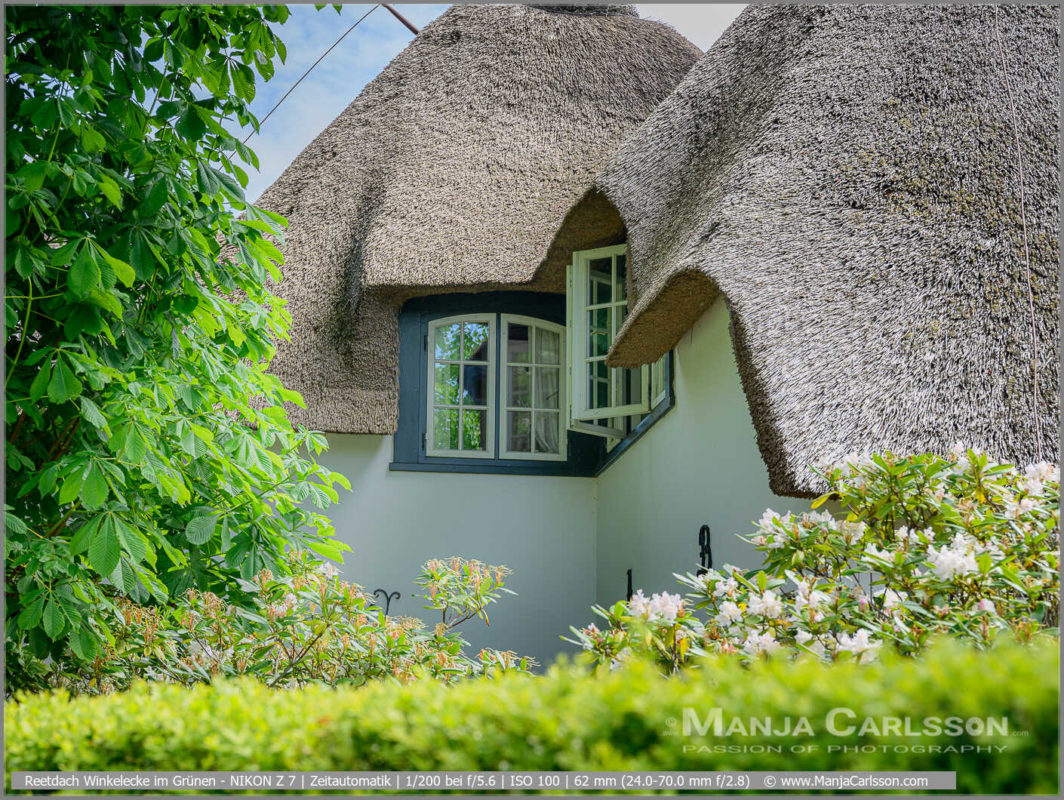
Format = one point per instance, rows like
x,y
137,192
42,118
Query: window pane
x,y
547,432
629,386
547,387
600,281
520,387
445,428
599,334
474,385
474,430
621,275
447,342
446,391
520,432
548,347
475,345
657,378
620,314
517,343
598,390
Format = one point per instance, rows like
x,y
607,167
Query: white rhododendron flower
x,y
639,606
1043,472
767,605
730,613
757,643
665,607
728,588
860,644
852,531
874,552
1017,508
948,562
327,570
768,520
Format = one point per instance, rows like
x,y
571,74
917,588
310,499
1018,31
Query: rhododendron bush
x,y
917,547
303,628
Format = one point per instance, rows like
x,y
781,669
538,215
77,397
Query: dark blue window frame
x,y
586,453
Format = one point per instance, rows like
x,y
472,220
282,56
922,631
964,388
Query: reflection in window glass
x,y
474,430
533,388
448,342
475,385
520,387
445,429
520,427
517,348
446,392
475,341
462,378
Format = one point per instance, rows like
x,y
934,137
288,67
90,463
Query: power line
x,y
305,74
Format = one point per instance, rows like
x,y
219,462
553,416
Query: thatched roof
x,y
847,178
452,171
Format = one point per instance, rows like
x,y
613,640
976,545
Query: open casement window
x,y
597,304
461,380
533,389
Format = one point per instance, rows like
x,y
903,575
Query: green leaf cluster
x,y
148,448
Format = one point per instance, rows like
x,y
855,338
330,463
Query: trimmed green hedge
x,y
569,720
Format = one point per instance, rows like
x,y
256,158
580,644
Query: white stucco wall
x,y
542,528
570,540
698,465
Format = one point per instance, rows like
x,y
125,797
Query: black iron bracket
x,y
388,598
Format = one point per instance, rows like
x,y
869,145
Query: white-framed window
x,y
597,305
533,389
473,356
461,381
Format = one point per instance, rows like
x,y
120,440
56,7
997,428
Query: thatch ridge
x,y
451,171
846,177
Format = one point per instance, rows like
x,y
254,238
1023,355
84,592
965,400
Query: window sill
x,y
544,468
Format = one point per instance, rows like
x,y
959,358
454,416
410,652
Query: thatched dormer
x,y
847,178
452,171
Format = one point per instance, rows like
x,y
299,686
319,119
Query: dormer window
x,y
486,380
497,388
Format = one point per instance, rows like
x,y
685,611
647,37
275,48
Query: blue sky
x,y
360,57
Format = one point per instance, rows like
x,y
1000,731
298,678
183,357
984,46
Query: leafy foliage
x,y
630,719
922,546
306,627
147,448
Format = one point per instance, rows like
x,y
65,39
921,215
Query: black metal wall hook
x,y
705,550
388,597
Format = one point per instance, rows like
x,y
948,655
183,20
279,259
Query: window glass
x,y
533,389
517,347
462,376
598,309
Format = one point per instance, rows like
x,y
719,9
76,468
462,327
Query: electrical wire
x,y
305,74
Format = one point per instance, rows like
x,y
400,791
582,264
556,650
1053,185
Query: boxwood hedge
x,y
629,719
